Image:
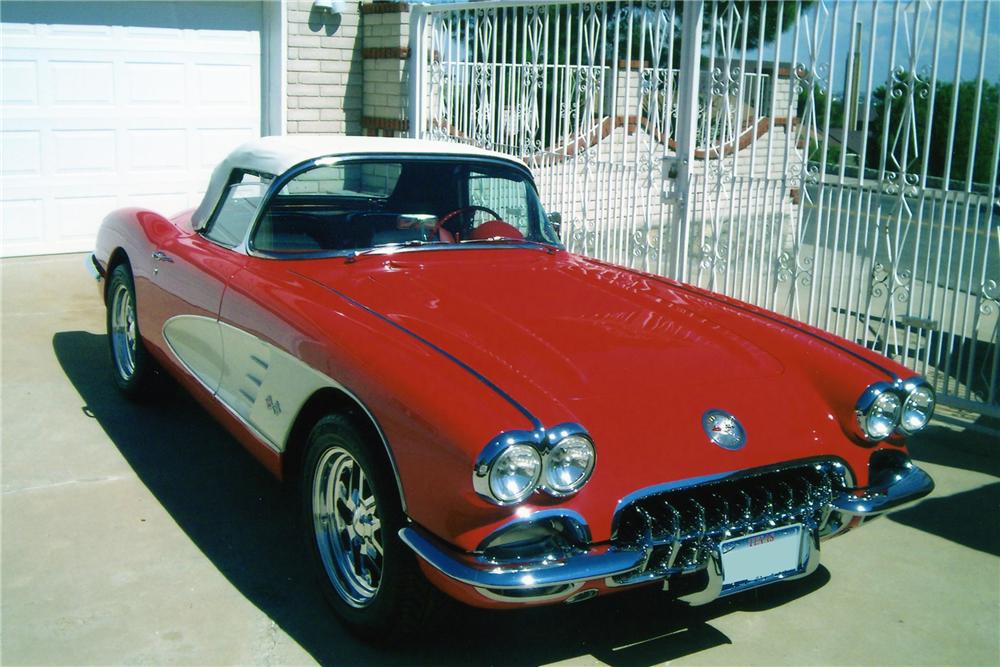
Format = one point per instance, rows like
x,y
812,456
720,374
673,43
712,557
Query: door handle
x,y
160,256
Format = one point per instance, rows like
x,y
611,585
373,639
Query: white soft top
x,y
276,155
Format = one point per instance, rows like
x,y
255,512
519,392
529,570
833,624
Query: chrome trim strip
x,y
597,563
908,485
447,355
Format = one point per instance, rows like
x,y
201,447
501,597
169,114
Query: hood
x,y
636,360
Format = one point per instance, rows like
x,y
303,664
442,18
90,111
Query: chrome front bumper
x,y
902,487
93,267
598,562
559,577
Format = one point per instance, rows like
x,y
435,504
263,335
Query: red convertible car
x,y
394,326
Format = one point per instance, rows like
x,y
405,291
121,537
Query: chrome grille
x,y
682,527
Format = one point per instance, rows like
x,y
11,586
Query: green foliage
x,y
818,101
896,115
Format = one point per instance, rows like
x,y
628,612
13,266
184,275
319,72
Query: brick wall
x,y
386,34
325,73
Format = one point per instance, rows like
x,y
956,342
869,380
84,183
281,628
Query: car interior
x,y
415,201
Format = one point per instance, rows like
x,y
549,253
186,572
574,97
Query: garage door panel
x,y
157,150
228,84
109,104
76,82
77,218
22,221
20,83
76,151
22,153
158,83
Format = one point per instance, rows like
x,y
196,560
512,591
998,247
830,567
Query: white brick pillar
x,y
325,73
385,53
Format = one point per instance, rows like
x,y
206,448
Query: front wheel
x,y
132,365
351,516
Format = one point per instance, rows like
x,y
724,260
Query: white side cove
x,y
261,384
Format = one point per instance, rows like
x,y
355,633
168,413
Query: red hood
x,y
635,360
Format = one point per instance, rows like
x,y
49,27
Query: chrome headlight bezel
x,y
495,450
915,389
562,436
875,397
543,443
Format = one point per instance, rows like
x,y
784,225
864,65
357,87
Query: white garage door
x,y
118,104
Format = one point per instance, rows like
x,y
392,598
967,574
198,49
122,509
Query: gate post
x,y
680,167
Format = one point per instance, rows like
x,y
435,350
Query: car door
x,y
191,270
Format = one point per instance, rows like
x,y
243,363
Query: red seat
x,y
494,228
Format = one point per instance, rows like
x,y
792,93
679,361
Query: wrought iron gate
x,y
833,161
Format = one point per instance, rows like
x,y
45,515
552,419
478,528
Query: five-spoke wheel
x,y
131,363
352,514
347,526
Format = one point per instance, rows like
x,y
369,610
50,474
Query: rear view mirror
x,y
555,218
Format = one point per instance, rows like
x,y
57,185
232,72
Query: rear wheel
x,y
351,516
132,367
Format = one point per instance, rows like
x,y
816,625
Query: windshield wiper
x,y
412,243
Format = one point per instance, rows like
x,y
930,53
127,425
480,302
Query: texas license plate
x,y
754,560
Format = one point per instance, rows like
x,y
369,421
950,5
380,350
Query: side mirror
x,y
555,218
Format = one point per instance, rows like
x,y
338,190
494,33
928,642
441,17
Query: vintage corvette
x,y
394,326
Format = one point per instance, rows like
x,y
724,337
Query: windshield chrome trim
x,y
246,247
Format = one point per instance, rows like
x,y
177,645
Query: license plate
x,y
754,560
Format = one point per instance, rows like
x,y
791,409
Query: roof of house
x,y
276,155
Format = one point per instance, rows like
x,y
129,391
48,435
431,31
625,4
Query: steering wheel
x,y
466,209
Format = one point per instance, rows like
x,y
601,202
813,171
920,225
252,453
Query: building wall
x,y
325,72
386,53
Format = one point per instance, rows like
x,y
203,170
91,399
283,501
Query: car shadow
x,y
954,517
963,449
243,521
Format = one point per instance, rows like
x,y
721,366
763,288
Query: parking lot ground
x,y
144,534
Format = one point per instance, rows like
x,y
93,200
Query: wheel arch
x,y
334,400
118,256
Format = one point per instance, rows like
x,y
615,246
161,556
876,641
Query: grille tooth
x,y
681,528
747,514
789,496
768,507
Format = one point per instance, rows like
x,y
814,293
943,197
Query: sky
x,y
914,25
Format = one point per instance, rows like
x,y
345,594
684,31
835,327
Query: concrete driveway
x,y
144,534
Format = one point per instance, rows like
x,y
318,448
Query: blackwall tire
x,y
351,515
131,366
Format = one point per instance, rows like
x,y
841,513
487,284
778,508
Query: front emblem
x,y
723,429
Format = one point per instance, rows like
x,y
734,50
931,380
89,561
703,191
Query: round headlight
x,y
917,409
515,473
883,416
568,465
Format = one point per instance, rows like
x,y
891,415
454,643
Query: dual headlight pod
x,y
513,465
884,408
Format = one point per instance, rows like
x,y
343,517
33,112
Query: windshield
x,y
358,205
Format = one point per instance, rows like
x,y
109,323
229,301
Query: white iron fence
x,y
833,161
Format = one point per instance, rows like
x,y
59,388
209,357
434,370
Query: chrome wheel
x,y
123,331
347,526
